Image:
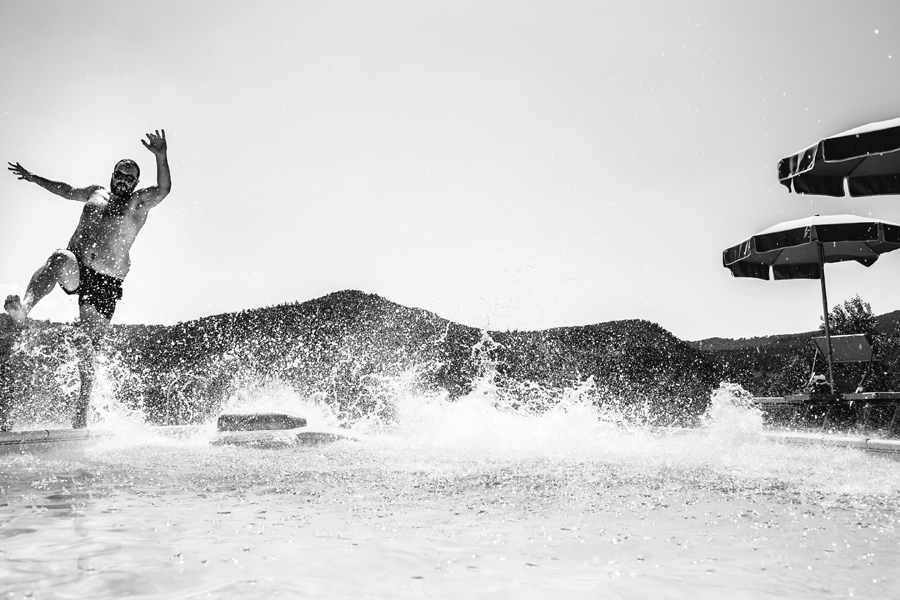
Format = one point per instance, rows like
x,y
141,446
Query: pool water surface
x,y
454,500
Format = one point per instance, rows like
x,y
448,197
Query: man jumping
x,y
97,259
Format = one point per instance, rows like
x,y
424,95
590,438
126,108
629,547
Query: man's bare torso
x,y
106,231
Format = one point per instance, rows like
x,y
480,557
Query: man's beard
x,y
123,190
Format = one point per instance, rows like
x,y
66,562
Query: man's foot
x,y
14,309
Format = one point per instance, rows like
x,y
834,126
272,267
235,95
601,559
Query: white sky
x,y
515,165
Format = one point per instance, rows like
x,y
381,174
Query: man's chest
x,y
102,214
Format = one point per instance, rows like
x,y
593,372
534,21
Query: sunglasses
x,y
124,176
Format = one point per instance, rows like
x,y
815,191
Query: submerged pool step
x,y
274,439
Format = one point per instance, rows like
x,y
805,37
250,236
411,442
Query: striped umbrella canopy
x,y
791,250
867,158
799,250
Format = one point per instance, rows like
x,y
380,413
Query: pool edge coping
x,y
11,441
866,444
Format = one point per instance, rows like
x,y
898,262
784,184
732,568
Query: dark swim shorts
x,y
99,290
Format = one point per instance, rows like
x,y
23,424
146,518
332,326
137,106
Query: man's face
x,y
124,180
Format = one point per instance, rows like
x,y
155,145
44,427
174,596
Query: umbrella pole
x,y
825,311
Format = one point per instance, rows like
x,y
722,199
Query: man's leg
x,y
9,332
5,395
61,267
92,327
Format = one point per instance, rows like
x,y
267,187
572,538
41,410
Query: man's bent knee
x,y
63,265
61,257
63,260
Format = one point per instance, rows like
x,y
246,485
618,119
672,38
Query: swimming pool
x,y
452,499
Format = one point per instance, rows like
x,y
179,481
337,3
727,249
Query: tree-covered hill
x,y
344,346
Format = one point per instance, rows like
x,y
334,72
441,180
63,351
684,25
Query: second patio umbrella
x,y
867,157
799,250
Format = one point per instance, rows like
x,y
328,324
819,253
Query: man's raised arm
x,y
151,196
57,187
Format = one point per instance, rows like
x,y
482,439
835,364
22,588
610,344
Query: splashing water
x,y
732,415
106,410
489,429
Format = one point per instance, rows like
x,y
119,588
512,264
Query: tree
x,y
854,316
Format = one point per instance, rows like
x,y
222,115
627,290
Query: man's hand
x,y
156,143
151,196
23,173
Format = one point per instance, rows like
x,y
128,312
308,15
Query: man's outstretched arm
x,y
151,196
57,187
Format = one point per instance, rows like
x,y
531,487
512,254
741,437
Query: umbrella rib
x,y
853,170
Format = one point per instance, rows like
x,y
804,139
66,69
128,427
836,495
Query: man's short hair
x,y
128,163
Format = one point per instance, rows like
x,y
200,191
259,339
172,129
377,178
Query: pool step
x,y
258,422
268,430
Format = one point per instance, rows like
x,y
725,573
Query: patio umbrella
x,y
867,157
799,250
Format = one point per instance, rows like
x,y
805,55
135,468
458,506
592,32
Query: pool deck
x,y
14,442
866,409
46,439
